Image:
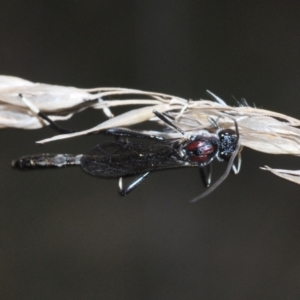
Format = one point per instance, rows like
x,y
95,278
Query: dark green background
x,y
68,235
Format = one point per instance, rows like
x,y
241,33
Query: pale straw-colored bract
x,y
259,129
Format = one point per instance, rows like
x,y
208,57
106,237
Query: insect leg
x,y
53,125
206,172
45,117
132,185
213,122
236,168
167,121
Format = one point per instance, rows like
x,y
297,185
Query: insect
x,y
136,153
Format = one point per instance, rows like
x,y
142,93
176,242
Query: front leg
x,y
206,172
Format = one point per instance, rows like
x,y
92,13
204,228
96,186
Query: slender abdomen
x,y
46,160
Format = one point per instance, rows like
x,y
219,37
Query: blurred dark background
x,y
68,235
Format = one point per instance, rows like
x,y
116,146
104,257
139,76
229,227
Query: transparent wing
x,y
115,159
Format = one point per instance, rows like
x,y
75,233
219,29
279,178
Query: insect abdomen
x,y
46,160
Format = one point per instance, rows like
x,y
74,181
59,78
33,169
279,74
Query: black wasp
x,y
148,153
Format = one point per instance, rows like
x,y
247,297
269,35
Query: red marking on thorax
x,y
203,147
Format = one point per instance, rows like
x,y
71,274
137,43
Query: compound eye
x,y
226,133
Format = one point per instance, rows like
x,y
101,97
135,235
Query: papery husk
x,y
259,129
293,176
